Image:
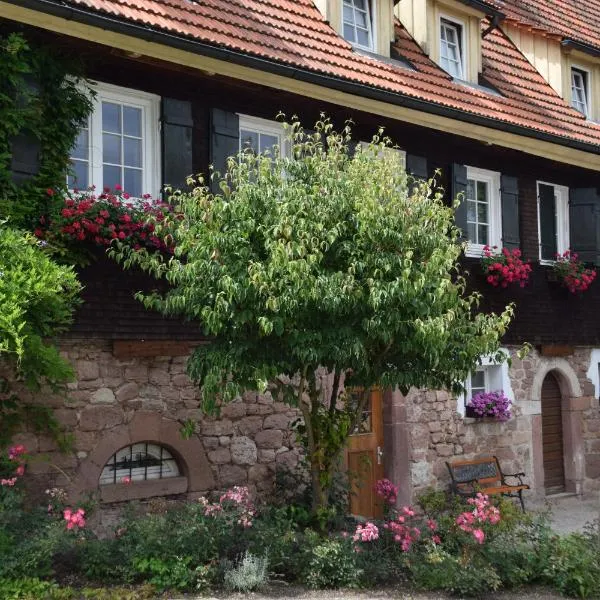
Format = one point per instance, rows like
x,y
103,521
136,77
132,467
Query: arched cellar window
x,y
142,461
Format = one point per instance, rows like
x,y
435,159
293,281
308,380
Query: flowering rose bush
x,y
234,506
12,466
472,521
505,267
491,404
573,273
102,218
387,491
75,518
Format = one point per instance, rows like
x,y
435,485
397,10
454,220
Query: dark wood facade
x,y
545,312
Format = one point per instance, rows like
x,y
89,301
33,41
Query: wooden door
x,y
552,436
364,459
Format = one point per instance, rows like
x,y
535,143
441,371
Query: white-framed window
x,y
261,135
358,23
452,47
580,86
487,377
119,144
139,462
553,220
484,212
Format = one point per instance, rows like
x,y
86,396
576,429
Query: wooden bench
x,y
485,475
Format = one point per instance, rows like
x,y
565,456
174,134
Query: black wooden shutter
x,y
224,141
509,187
584,219
25,156
459,186
547,204
177,140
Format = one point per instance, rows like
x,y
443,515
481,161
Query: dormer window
x,y
580,91
358,25
452,57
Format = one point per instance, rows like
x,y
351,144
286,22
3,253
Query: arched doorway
x,y
552,436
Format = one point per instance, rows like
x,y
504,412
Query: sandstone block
x,y
270,438
94,418
232,475
250,425
435,426
180,380
266,456
85,440
129,391
220,427
91,384
259,473
445,449
159,376
87,370
103,396
265,398
287,460
66,417
243,451
259,409
210,443
234,410
220,456
276,421
137,373
224,440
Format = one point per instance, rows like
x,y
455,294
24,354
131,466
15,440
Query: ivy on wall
x,y
43,104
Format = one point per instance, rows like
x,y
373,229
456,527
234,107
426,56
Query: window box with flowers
x,y
571,273
92,219
494,405
505,267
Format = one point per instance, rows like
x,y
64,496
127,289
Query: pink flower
x,y
126,480
8,482
74,519
367,533
479,535
20,471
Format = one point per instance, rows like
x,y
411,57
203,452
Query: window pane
x,y
132,150
482,234
79,179
267,142
132,121
111,117
249,140
348,14
472,232
81,147
111,176
482,194
362,37
482,213
360,4
361,19
471,211
111,148
349,33
478,379
133,182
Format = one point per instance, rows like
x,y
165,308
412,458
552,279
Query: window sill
x,y
137,490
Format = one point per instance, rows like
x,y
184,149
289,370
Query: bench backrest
x,y
484,470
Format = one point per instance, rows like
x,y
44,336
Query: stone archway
x,y
146,427
556,377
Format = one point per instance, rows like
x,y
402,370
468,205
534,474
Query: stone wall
x,y
116,401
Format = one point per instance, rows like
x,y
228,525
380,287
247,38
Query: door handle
x,y
379,455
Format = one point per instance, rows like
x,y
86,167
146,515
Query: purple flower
x,y
491,404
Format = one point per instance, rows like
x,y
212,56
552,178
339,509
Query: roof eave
x,y
581,46
134,30
485,8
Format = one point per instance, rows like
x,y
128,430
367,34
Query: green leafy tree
x,y
324,261
37,299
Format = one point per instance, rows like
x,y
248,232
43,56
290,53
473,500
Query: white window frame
x,y
371,24
586,81
462,40
150,105
496,377
561,193
492,178
264,126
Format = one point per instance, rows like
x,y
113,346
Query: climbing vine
x,y
44,101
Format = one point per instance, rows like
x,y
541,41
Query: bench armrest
x,y
518,476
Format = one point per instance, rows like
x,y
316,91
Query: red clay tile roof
x,y
578,20
294,33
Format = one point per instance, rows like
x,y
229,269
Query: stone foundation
x,y
117,401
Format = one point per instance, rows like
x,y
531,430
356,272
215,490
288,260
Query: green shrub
x,y
442,571
248,574
173,573
331,564
573,564
32,588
